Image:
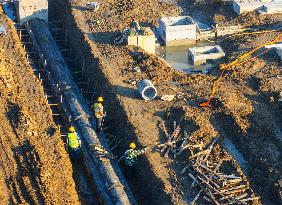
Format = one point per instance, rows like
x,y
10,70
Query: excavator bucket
x,y
2,30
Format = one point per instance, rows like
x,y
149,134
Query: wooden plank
x,y
199,153
196,197
229,176
250,199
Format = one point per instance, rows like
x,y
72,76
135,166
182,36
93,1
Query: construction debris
x,y
132,81
168,98
136,69
174,144
215,186
101,152
94,6
2,30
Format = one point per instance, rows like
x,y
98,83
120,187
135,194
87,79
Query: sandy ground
x,y
34,166
248,100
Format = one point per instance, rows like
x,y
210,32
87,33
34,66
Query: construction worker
x,y
98,110
73,141
130,159
132,154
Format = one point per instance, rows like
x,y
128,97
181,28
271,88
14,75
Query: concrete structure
x,y
28,9
263,6
274,8
200,55
146,41
147,90
278,48
178,30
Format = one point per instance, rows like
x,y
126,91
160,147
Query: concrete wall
x,y
265,6
146,42
240,6
28,9
276,8
200,55
171,30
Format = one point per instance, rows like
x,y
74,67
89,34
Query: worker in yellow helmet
x,y
131,155
98,110
130,159
73,141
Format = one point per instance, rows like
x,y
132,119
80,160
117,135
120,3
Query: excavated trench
x,y
238,143
87,72
86,192
146,187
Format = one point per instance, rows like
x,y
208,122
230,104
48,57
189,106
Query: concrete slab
x,y
263,6
200,55
146,41
181,28
271,9
28,9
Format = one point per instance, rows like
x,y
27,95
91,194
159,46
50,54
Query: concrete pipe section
x,y
147,89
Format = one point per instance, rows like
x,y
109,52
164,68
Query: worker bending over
x,y
132,154
98,110
130,159
73,141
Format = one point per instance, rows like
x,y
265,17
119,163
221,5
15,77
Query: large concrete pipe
x,y
107,176
147,89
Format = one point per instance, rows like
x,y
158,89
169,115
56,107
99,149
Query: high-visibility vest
x,y
72,140
98,109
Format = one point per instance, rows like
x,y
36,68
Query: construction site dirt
x,y
244,119
34,166
247,114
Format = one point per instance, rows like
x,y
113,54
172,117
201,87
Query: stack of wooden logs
x,y
214,186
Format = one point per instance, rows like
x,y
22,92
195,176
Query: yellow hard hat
x,y
100,99
71,129
132,145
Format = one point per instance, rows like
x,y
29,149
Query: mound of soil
x,y
34,166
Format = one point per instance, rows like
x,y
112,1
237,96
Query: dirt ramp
x,y
34,165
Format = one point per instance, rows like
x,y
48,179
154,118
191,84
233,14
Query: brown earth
x,y
247,114
224,15
34,166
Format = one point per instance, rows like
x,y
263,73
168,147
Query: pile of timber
x,y
205,171
213,185
175,144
